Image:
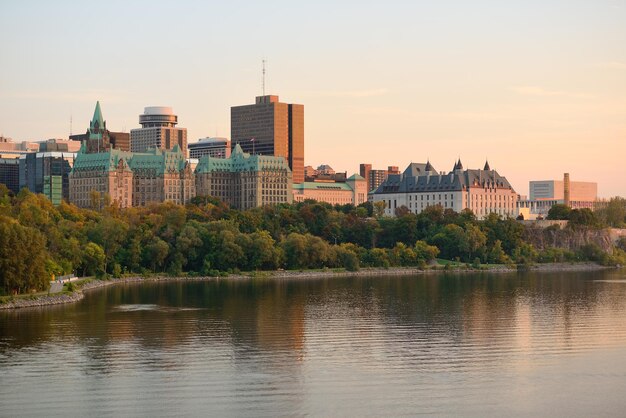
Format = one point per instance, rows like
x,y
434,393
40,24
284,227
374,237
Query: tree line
x,y
205,237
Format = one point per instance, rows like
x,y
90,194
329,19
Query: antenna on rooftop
x,y
263,78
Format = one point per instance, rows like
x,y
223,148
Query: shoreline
x,y
78,295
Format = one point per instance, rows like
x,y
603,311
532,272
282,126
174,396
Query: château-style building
x,y
131,179
245,181
420,186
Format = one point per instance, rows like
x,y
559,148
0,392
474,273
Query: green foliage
x,y
559,212
205,237
23,258
614,214
582,218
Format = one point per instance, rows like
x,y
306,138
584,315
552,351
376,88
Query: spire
x,y
459,165
97,122
428,167
487,168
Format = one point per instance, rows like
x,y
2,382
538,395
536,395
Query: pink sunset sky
x,y
538,88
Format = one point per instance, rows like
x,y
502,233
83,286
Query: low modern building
x,y
546,193
47,173
323,172
212,146
158,130
10,149
245,181
10,173
352,190
131,179
420,186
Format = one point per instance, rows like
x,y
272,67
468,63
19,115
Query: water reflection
x,y
254,347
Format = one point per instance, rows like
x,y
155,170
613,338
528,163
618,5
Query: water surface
x,y
549,344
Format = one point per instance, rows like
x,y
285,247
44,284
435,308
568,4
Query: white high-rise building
x,y
158,130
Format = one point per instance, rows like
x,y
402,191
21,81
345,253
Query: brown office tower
x,y
270,127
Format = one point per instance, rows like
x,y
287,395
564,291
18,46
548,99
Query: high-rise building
x,y
98,138
214,147
158,130
375,178
270,127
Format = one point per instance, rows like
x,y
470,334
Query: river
x,y
477,345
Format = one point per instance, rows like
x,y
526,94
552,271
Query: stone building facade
x,y
162,176
420,186
245,181
131,179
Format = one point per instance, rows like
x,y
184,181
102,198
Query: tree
x,y
93,259
582,218
379,209
23,258
155,254
425,252
559,212
496,254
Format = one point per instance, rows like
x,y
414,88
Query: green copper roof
x,y
161,161
96,127
101,161
154,159
355,177
241,161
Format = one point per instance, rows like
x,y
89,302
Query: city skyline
x,y
538,90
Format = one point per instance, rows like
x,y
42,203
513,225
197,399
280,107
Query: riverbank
x,y
57,299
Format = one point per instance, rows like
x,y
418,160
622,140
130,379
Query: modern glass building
x,y
47,173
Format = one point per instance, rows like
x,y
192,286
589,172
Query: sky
x,y
536,87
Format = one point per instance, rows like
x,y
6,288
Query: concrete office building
x,y
352,190
10,173
98,138
420,186
543,194
158,130
270,127
47,173
245,181
212,146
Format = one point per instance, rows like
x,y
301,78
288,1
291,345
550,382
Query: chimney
x,y
566,189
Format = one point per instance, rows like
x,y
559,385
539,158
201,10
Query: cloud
x,y
348,93
541,92
614,65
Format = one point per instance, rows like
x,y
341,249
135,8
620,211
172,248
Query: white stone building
x,y
420,186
